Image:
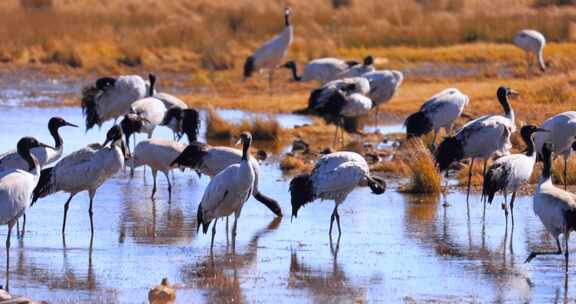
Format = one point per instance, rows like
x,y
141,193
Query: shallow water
x,y
394,247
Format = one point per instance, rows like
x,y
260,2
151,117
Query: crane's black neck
x,y
547,170
529,140
27,156
287,20
152,79
245,149
294,69
56,135
503,99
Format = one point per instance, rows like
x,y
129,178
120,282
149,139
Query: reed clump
x,y
265,129
424,177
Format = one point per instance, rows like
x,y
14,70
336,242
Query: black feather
x,y
191,124
44,187
570,217
417,124
172,113
104,83
192,156
496,180
249,67
268,202
449,151
314,99
301,192
88,103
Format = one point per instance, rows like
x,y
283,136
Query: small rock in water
x,y
299,144
162,294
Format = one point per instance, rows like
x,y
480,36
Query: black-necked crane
x,y
45,156
384,85
227,192
270,55
438,112
349,86
333,178
562,133
158,154
16,187
532,42
84,170
323,70
555,207
480,138
110,98
343,110
209,160
183,121
510,172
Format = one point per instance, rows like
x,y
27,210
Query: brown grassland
x,y
436,43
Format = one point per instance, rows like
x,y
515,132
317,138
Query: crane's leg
x,y
169,187
469,179
23,225
10,225
534,254
336,216
91,194
505,207
565,172
512,207
566,252
154,173
234,226
335,136
213,234
66,205
483,177
376,126
528,63
270,80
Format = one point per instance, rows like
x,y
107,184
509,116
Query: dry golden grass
x,y
424,177
261,129
290,164
558,171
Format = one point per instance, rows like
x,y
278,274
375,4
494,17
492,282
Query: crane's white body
x,y
170,101
116,101
356,105
157,154
487,135
323,70
228,191
219,158
152,110
16,186
532,42
337,174
86,169
444,108
356,71
562,133
383,85
270,55
550,205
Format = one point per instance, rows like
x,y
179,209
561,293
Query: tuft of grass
x,y
424,177
291,164
267,129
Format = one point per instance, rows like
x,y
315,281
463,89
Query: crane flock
x,y
348,91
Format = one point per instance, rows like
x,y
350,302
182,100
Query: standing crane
x,y
532,42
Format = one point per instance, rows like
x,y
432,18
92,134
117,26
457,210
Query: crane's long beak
x,y
46,146
70,124
513,93
239,142
105,142
125,150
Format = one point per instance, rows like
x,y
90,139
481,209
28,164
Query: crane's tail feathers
x,y
172,113
301,192
268,202
417,124
495,180
350,124
191,124
89,104
314,101
449,151
249,67
351,63
377,184
192,156
44,187
201,221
